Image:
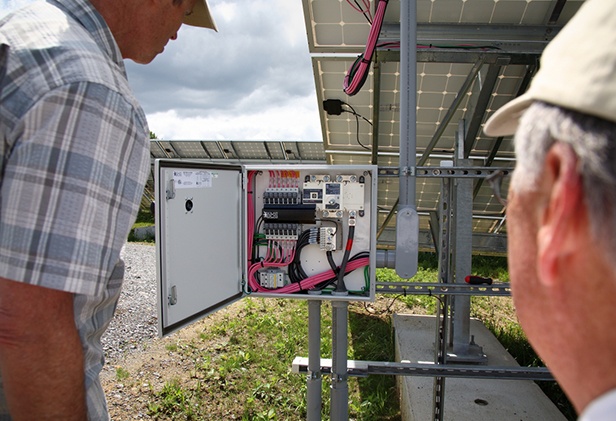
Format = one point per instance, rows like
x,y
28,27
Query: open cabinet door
x,y
199,225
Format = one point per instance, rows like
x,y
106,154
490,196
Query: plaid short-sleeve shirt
x,y
74,157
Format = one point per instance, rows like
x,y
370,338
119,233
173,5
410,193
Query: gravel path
x,y
136,316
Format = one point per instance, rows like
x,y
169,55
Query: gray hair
x,y
594,142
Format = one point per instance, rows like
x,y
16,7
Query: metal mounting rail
x,y
445,172
433,288
358,368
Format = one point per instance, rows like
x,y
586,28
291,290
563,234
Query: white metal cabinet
x,y
225,231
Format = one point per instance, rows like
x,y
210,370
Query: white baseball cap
x,y
201,16
577,70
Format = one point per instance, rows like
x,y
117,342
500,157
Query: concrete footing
x,y
465,399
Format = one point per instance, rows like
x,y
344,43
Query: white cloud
x,y
293,122
251,80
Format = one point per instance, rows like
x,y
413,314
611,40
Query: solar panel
x,y
239,151
473,56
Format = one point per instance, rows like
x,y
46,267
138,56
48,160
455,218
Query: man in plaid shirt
x,y
75,156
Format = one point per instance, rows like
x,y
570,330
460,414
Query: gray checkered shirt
x,y
75,155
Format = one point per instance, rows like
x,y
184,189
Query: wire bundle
x,y
357,74
284,179
286,253
307,284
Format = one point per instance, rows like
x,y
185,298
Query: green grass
x,y
144,219
176,402
241,363
122,374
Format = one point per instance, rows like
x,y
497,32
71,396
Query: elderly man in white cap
x,y
75,157
562,208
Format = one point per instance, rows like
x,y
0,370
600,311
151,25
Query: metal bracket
x,y
173,296
434,288
443,172
407,171
471,355
170,192
339,378
314,375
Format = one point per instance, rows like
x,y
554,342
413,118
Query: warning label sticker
x,y
192,179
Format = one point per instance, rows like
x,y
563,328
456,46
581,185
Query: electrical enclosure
x,y
283,231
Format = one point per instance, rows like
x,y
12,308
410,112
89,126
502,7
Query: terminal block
x,y
327,239
273,278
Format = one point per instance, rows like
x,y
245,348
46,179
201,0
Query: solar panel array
x,y
239,151
473,56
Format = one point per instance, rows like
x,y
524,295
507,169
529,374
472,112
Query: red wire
x,y
305,284
351,87
362,11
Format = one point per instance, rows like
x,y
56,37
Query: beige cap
x,y
577,71
201,16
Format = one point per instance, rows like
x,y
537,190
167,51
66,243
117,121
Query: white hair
x,y
594,141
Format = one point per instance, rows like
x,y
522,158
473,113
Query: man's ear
x,y
560,212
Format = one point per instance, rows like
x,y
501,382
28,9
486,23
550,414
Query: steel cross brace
x,y
357,368
434,288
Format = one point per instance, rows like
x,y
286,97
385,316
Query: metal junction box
x,y
295,231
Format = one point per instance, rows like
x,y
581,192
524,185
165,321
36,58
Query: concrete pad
x,y
465,399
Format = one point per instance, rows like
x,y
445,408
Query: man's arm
x,y
41,356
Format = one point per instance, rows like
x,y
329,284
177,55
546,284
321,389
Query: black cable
x,y
364,12
357,116
459,47
336,224
340,287
295,270
255,243
389,306
332,263
355,67
332,280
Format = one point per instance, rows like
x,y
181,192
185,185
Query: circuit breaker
x,y
228,231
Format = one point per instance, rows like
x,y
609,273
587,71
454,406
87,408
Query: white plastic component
x,y
353,196
272,278
328,238
335,195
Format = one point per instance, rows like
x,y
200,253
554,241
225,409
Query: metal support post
x,y
442,316
376,103
313,396
462,258
339,388
407,220
463,348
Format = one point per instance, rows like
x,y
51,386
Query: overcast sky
x,y
250,81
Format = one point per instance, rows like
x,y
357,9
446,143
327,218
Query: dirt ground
x,y
148,369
